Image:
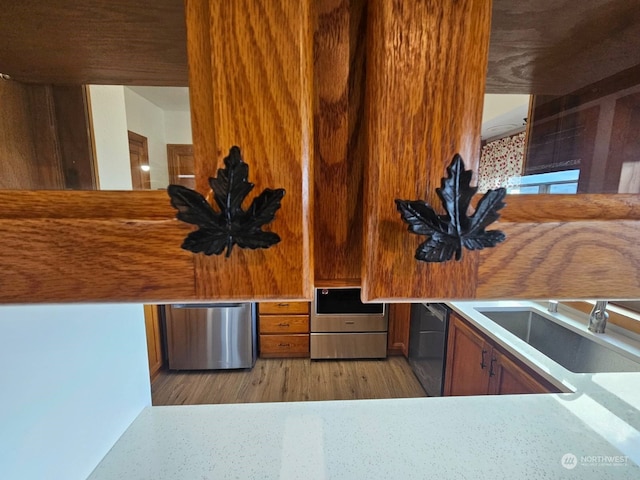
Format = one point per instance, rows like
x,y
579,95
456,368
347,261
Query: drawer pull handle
x,y
282,324
283,304
349,323
284,344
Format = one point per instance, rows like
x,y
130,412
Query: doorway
x,y
139,156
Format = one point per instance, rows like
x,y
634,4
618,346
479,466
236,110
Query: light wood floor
x,y
289,380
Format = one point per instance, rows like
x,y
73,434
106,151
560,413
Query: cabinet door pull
x,y
482,364
283,324
491,372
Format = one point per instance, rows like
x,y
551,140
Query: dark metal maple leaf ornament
x,y
232,225
450,232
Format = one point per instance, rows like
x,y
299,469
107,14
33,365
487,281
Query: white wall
x,y
110,136
499,104
145,118
73,379
177,127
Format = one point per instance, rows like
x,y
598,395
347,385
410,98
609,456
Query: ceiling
x,y
537,46
503,115
173,99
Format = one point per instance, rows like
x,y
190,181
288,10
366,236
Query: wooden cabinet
x,y
468,356
510,378
476,366
284,329
398,333
377,132
153,328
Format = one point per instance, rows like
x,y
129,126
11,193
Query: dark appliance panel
x,y
331,301
427,345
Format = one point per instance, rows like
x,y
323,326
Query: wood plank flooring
x,y
289,380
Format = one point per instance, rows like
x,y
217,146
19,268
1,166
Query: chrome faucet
x,y
598,317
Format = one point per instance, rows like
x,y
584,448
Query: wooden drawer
x,y
284,308
284,345
284,323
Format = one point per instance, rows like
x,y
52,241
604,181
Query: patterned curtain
x,y
501,160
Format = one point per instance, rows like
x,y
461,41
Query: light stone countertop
x,y
493,437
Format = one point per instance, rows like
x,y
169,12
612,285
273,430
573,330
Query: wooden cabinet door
x,y
423,106
468,356
508,378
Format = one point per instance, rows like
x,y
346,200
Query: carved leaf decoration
x,y
231,225
450,232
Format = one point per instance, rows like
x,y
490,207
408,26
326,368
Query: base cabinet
x,y
283,329
399,325
153,328
477,366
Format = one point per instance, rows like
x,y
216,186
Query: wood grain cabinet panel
x,y
340,146
426,69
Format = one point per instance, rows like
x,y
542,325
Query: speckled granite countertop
x,y
510,437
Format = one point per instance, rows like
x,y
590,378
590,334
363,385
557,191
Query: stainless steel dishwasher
x,y
211,336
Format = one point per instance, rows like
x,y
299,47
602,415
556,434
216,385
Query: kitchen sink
x,y
575,352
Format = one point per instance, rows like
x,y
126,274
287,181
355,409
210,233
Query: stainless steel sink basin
x,y
575,352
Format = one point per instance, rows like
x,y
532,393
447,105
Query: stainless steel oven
x,y
344,327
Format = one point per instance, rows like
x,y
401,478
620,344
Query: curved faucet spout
x,y
598,317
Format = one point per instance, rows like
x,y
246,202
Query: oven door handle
x,y
207,305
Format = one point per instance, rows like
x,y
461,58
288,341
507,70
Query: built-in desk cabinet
x,y
284,329
477,366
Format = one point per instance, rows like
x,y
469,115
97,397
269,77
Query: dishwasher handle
x,y
207,305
